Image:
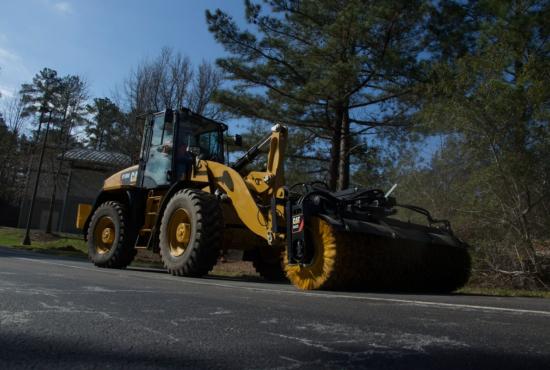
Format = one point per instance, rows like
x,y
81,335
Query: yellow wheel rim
x,y
316,274
179,232
104,235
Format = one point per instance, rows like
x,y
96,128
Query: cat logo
x,y
129,178
297,223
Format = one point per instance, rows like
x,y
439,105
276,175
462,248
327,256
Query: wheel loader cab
x,y
172,141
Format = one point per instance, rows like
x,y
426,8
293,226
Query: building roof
x,y
93,158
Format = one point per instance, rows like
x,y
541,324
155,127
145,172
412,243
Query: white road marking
x,y
317,295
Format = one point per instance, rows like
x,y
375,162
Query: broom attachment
x,y
386,252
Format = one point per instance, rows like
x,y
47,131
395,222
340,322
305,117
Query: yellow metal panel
x,y
112,182
82,214
234,186
124,178
200,173
256,180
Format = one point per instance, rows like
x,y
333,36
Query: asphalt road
x,y
63,313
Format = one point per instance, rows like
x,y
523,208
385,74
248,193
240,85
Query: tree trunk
x,y
52,205
56,176
61,219
335,153
343,165
31,149
6,161
99,142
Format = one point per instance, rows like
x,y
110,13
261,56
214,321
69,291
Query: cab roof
x,y
201,119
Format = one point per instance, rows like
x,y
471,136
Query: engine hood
x,y
122,179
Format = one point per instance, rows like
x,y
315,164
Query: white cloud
x,y
63,7
7,56
13,72
6,92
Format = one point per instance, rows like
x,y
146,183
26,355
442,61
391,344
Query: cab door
x,y
156,164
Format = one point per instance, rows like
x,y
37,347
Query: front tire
x,y
110,236
191,233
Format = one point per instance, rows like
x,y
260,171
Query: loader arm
x,y
234,186
251,195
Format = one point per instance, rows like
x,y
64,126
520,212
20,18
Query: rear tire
x,y
269,263
110,238
191,233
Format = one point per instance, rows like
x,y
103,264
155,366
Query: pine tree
x,y
39,96
332,67
69,108
104,130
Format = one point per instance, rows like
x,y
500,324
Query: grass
x,y
58,244
504,292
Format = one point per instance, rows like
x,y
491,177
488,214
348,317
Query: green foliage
x,y
304,157
491,104
59,100
105,130
39,96
333,68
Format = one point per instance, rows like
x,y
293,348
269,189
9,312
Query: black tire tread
x,y
272,268
208,234
124,252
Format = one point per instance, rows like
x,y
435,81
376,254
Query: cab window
x,y
210,144
159,161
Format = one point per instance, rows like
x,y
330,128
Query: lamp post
x,y
27,239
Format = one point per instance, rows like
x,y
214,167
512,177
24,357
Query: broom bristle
x,y
358,261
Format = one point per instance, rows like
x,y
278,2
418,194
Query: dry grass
x,y
233,268
237,269
503,292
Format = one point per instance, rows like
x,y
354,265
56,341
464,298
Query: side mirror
x,y
238,140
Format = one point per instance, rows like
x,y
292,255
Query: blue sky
x,y
100,40
103,40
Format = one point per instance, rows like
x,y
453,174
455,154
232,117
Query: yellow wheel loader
x,y
182,201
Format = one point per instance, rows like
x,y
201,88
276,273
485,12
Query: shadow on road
x,y
28,351
32,351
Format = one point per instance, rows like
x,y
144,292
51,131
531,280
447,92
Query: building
x,y
79,181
